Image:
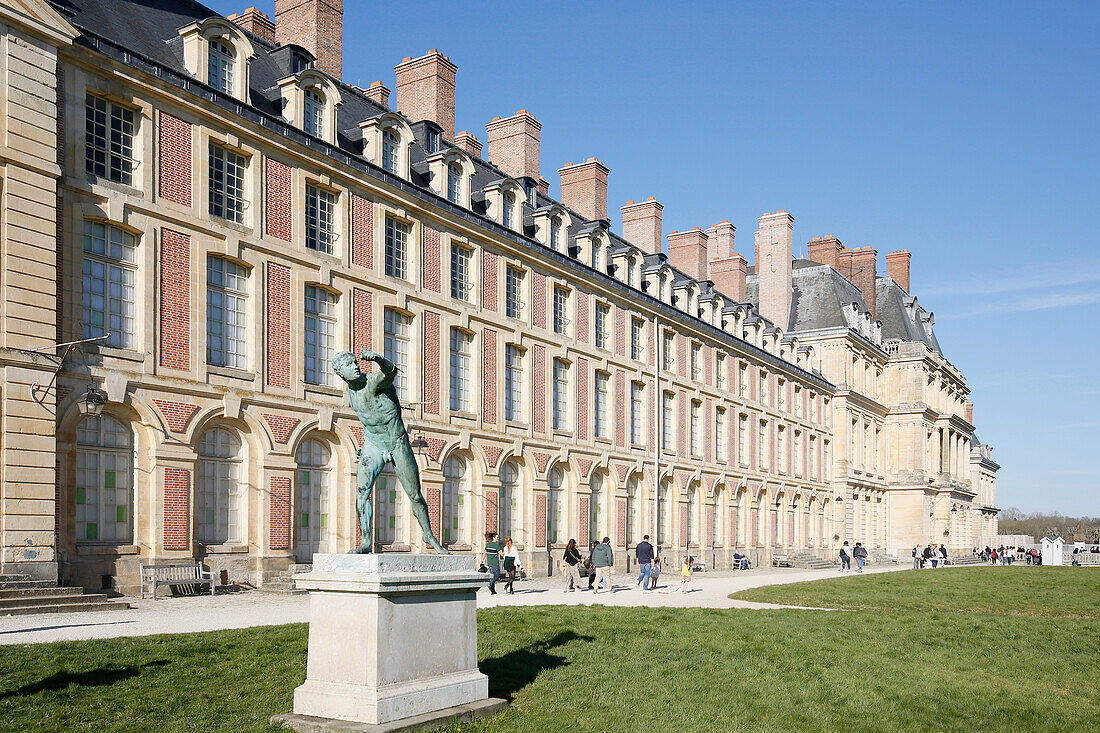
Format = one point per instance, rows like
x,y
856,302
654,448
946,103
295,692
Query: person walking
x,y
685,573
511,564
918,557
644,555
655,572
572,564
492,560
927,556
845,557
602,560
935,558
861,556
589,568
943,555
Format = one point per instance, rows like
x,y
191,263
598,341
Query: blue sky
x,y
966,133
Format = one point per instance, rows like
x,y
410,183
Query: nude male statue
x,y
374,399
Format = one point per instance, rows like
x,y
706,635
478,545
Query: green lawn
x,y
612,669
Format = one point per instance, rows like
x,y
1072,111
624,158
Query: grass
x,y
924,664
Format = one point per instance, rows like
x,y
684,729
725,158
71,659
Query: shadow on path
x,y
515,670
91,678
63,626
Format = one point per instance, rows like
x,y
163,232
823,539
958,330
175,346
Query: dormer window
x,y
390,144
313,119
310,100
221,67
555,233
431,141
507,210
454,183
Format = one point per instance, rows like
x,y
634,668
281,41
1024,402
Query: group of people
x,y
501,561
929,556
1008,555
847,554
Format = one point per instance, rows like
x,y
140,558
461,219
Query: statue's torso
x,y
379,411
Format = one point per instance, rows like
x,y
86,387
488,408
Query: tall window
x,y
226,184
799,405
668,359
720,434
781,394
221,66
320,220
561,301
762,445
781,448
226,311
797,448
597,254
743,439
109,140
762,392
555,233
662,514
717,538
312,496
507,214
107,286
506,506
827,413
513,383
631,510
320,335
813,407
666,421
397,236
827,472
389,521
813,457
636,413
595,506
218,487
561,394
602,379
555,506
314,118
696,368
513,289
460,370
460,272
692,537
603,325
104,480
720,371
395,343
390,146
743,380
454,499
637,325
454,183
693,433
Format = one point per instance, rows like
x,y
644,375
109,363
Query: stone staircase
x,y
20,595
282,581
807,561
968,560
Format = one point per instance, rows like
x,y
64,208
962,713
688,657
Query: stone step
x,y
60,596
5,577
6,593
299,568
68,607
15,584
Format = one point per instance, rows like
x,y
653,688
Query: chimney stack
x,y
844,262
863,274
513,144
426,90
774,249
584,188
315,25
825,250
687,251
726,269
642,225
897,267
469,143
378,93
256,23
970,412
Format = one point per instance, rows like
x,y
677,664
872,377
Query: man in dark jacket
x,y
644,553
603,559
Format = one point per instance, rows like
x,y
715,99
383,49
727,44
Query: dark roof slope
x,y
901,316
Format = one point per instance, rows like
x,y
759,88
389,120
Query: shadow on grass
x,y
91,678
512,672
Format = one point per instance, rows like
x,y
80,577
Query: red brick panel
x,y
681,355
621,398
280,207
582,398
277,333
582,317
176,414
538,295
620,523
281,426
708,365
362,232
583,507
708,430
683,525
541,459
489,397
362,320
435,509
357,431
682,429
541,387
177,508
492,454
651,347
492,498
620,331
709,528
432,276
175,300
279,520
540,520
731,533
489,281
431,363
175,160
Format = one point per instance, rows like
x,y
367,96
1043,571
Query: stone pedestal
x,y
392,638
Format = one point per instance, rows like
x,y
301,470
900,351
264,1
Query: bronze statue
x,y
374,399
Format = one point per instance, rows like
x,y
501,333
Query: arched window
x,y
595,507
554,505
313,118
454,499
760,521
717,526
104,480
312,498
631,510
454,183
391,145
508,213
223,66
219,487
506,505
692,518
555,233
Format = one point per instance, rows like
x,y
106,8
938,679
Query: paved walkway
x,y
256,608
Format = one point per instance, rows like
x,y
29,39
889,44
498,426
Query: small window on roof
x,y
432,141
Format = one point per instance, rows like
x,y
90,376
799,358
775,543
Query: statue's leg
x,y
404,465
370,465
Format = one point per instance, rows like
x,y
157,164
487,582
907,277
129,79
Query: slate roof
x,y
901,316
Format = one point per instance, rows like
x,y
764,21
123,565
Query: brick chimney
x,y
256,23
726,268
825,250
379,93
425,90
469,143
315,25
544,186
897,267
513,144
584,188
774,248
687,251
642,225
970,412
863,274
844,262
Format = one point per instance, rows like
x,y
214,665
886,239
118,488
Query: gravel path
x,y
256,608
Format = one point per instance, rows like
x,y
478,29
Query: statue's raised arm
x,y
387,367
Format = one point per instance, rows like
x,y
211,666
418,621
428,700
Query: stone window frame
x,y
196,53
373,131
293,89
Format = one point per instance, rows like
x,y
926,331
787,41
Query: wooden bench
x,y
174,575
780,561
741,563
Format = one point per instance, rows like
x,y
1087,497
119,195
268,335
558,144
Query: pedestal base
x,y
426,721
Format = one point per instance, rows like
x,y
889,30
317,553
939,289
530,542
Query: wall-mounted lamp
x,y
95,399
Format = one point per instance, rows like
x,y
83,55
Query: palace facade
x,y
198,213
